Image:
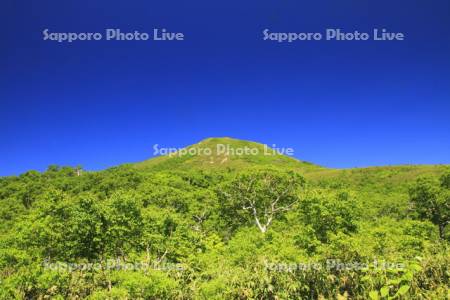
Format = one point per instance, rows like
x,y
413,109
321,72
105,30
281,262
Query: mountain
x,y
225,154
208,231
218,154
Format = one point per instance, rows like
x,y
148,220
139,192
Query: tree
x,y
68,228
328,212
431,200
445,180
123,222
261,195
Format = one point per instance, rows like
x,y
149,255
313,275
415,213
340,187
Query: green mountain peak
x,y
224,153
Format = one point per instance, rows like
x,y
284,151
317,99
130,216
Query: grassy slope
x,y
385,178
221,161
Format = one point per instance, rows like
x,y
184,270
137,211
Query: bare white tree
x,y
263,195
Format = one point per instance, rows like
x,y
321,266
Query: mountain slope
x,y
210,154
174,228
225,154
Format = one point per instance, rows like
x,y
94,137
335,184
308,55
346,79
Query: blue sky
x,y
338,104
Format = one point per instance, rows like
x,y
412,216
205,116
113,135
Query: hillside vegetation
x,y
227,154
226,226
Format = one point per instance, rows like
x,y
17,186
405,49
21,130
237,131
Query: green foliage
x,y
260,196
327,213
431,200
190,224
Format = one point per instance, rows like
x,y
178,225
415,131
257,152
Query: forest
x,y
226,227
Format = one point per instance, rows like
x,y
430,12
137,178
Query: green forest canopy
x,y
226,227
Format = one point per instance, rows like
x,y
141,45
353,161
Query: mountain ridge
x,y
382,176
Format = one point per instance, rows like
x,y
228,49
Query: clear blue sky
x,y
338,104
